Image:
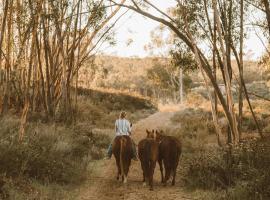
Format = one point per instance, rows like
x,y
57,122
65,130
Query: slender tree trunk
x,y
233,123
27,102
43,99
6,85
214,113
215,63
241,70
181,85
267,12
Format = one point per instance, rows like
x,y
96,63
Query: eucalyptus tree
x,y
43,45
215,24
181,59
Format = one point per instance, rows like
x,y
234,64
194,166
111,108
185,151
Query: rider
x,y
123,127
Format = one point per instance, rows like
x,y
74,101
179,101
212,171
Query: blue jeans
x,y
109,151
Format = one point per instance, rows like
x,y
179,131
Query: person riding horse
x,y
122,127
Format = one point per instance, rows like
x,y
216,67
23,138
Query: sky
x,y
136,28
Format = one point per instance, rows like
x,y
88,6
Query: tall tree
x,y
197,15
43,45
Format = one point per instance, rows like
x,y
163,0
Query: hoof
x,y
144,184
125,180
151,189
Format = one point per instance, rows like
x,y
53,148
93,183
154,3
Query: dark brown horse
x,y
169,153
148,155
122,151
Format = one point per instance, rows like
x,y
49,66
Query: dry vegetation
x,y
213,172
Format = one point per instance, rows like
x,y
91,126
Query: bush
x,y
206,170
48,153
196,97
245,174
239,172
194,122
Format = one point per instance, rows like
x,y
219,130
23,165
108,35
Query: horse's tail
x,y
175,152
122,145
147,156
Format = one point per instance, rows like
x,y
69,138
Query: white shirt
x,y
122,127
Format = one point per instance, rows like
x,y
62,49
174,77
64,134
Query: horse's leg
x,y
122,176
126,170
151,173
143,169
146,172
167,172
161,170
118,167
174,175
174,170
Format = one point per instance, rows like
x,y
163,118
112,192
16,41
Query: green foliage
x,y
161,78
183,58
190,11
165,77
206,170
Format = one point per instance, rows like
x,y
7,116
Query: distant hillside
x,y
117,72
101,108
117,101
130,74
252,72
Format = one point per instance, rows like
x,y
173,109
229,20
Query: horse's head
x,y
150,134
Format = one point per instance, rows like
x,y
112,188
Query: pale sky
x,y
136,27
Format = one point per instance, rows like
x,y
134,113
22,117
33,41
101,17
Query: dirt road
x,y
104,186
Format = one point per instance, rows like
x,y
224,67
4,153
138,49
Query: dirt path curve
x,y
104,186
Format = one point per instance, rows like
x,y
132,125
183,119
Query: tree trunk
x,y
267,12
181,85
241,71
214,113
6,85
233,123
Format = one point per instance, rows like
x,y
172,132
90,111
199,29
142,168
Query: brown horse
x,y
148,155
169,153
122,151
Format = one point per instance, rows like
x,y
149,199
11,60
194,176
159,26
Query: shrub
x,y
49,153
196,97
245,174
240,172
194,122
207,170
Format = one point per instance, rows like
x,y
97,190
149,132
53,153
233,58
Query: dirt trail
x,y
104,186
